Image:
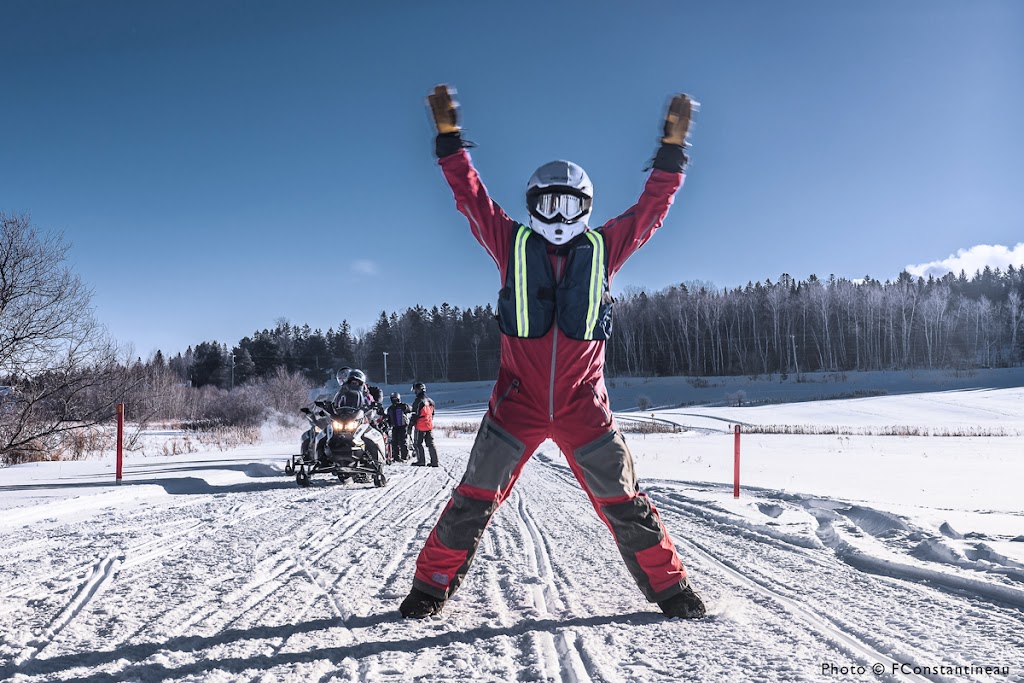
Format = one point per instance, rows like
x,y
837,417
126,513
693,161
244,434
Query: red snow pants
x,y
602,463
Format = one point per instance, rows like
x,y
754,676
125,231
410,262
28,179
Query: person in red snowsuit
x,y
554,312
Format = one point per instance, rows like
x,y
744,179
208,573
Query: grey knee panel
x,y
634,525
607,466
494,458
462,524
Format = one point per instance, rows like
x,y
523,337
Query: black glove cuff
x,y
671,158
448,144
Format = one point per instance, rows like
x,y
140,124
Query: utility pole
x,y
385,368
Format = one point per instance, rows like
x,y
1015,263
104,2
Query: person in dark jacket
x,y
555,315
371,394
423,421
353,393
398,418
342,377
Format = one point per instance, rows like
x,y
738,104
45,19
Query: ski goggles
x,y
558,206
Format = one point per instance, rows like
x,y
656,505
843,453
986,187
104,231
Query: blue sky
x,y
218,166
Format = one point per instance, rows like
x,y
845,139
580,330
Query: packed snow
x,y
881,538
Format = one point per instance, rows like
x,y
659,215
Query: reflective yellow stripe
x,y
596,282
522,301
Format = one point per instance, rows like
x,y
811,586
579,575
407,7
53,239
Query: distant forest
x,y
787,326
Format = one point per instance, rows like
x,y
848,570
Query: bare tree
x,y
1016,310
443,326
63,370
933,308
285,390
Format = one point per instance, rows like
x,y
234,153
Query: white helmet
x,y
559,197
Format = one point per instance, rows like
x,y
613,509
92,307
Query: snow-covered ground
x,y
857,548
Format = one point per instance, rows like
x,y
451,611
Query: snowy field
x,y
883,542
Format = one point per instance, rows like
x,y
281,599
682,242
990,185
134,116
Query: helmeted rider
x,y
422,420
343,376
554,313
352,393
398,417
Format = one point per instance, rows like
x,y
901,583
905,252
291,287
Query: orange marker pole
x,y
736,466
120,440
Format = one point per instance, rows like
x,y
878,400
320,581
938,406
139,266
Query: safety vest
x,y
531,299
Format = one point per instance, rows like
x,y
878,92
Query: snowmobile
x,y
379,420
343,443
318,421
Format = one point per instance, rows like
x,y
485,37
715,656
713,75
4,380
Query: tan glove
x,y
445,109
677,120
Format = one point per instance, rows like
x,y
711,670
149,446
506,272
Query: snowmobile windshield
x,y
347,413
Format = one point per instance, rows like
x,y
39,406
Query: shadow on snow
x,y
263,662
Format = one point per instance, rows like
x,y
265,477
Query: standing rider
x,y
423,420
398,417
554,313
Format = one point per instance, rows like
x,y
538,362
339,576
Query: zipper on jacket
x,y
501,399
607,415
554,347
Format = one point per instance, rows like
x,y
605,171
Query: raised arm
x,y
631,230
489,224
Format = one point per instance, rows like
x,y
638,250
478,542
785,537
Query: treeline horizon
x,y
690,329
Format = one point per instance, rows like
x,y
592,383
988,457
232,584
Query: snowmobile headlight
x,y
344,426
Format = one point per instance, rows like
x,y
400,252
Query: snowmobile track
x,y
825,628
821,626
559,652
102,574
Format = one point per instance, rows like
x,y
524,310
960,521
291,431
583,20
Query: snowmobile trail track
x,y
102,574
401,565
819,626
822,627
561,653
825,628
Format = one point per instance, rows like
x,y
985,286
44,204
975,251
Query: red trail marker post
x,y
736,466
120,440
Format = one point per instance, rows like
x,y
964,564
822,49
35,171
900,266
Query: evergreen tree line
x,y
688,329
443,343
810,325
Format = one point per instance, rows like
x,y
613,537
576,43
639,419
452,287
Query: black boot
x,y
685,605
419,605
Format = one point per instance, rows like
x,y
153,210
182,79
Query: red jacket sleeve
x,y
493,228
631,230
489,224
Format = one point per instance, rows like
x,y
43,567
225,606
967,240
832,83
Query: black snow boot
x,y
685,605
419,605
